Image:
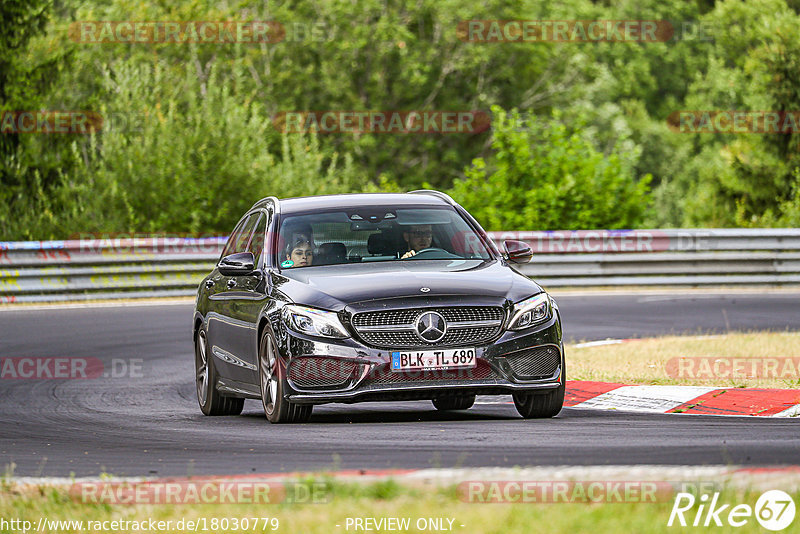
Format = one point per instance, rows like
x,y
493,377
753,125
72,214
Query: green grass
x,y
386,498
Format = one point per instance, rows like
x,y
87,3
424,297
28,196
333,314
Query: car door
x,y
215,285
249,294
227,330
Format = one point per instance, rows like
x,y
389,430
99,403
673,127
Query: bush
x,y
187,159
542,176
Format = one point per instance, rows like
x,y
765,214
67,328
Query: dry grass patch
x,y
741,359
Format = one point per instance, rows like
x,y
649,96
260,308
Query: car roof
x,y
358,200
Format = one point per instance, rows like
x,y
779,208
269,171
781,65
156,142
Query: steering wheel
x,y
445,255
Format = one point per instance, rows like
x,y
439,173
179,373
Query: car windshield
x,y
375,234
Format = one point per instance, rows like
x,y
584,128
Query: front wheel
x,y
540,406
270,372
461,402
210,400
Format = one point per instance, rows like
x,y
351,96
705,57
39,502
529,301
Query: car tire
x,y
272,384
208,397
541,406
461,402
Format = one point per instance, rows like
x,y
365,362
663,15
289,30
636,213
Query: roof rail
x,y
433,192
274,200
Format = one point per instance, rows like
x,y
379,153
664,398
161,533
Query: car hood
x,y
334,287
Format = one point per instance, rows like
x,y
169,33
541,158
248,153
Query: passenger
x,y
418,237
299,252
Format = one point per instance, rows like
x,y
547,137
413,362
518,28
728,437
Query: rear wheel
x,y
542,406
270,371
461,402
209,399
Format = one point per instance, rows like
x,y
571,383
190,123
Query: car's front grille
x,y
312,372
539,362
469,325
407,316
391,339
383,375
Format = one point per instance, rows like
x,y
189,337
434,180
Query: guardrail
x,y
696,257
42,271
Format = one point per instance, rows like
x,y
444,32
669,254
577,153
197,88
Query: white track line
x,y
794,411
598,343
109,304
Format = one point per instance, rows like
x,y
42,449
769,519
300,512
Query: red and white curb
x,y
693,400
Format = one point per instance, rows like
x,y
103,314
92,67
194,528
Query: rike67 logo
x,y
774,510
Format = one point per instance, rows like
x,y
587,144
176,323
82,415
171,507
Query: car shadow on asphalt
x,y
391,413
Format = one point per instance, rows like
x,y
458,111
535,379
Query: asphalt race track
x,y
149,423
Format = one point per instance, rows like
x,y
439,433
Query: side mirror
x,y
517,251
239,264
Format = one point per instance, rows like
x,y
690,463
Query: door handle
x,y
209,284
231,283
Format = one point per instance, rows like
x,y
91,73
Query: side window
x,y
244,237
256,245
230,246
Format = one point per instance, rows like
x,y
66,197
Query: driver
x,y
418,237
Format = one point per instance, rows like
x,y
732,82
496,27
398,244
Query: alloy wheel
x,y
202,367
269,375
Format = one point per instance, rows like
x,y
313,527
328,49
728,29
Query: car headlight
x,y
314,322
530,312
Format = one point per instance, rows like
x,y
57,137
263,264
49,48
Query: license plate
x,y
433,359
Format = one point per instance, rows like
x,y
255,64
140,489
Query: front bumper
x,y
421,392
319,372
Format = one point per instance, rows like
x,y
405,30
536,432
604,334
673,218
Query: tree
x,y
26,76
746,178
30,165
544,176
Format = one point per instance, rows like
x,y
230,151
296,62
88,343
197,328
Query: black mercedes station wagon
x,y
372,297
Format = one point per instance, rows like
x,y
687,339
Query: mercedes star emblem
x,y
431,327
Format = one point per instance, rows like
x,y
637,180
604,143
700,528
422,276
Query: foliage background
x,y
579,136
